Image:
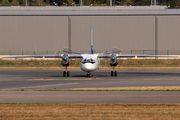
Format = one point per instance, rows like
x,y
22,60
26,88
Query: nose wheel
x,y
66,73
89,75
113,73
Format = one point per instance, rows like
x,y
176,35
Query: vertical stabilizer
x,y
91,39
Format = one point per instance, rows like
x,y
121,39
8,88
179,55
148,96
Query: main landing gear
x,y
113,72
66,73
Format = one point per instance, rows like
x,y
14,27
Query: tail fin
x,y
91,39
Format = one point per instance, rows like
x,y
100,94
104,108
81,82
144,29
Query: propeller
x,y
120,61
58,51
115,50
106,62
73,62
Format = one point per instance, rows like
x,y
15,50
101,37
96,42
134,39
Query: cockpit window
x,y
88,60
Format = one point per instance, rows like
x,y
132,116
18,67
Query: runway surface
x,y
51,79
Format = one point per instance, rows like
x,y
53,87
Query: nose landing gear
x,y
113,72
89,75
66,73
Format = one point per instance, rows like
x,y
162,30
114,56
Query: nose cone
x,y
64,58
88,67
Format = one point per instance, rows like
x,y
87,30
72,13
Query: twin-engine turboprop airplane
x,y
90,62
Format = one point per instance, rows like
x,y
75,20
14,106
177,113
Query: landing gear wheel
x,y
64,73
111,73
88,74
115,73
67,73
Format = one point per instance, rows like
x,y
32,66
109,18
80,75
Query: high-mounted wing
x,y
131,55
141,55
48,56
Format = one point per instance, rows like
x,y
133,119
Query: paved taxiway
x,y
51,79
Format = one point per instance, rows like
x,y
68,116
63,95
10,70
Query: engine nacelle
x,y
113,60
65,60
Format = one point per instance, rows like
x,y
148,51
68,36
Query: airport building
x,y
44,30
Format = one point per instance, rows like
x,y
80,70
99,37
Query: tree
x,y
70,2
59,2
172,4
178,3
22,2
6,3
107,2
15,3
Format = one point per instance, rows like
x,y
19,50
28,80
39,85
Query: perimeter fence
x,y
159,52
150,52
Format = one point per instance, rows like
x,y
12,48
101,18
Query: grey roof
x,y
145,10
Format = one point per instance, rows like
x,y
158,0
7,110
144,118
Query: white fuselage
x,y
90,62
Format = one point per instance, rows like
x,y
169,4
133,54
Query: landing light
x,y
135,56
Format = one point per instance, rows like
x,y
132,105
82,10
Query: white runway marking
x,y
55,85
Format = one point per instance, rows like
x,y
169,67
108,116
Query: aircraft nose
x,y
87,67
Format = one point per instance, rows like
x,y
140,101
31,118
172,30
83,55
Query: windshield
x,y
88,60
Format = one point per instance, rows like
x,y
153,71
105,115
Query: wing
x,y
141,55
48,56
132,55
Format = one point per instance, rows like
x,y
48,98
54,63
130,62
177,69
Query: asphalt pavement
x,y
11,80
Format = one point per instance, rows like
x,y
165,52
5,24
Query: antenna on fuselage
x,y
91,39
